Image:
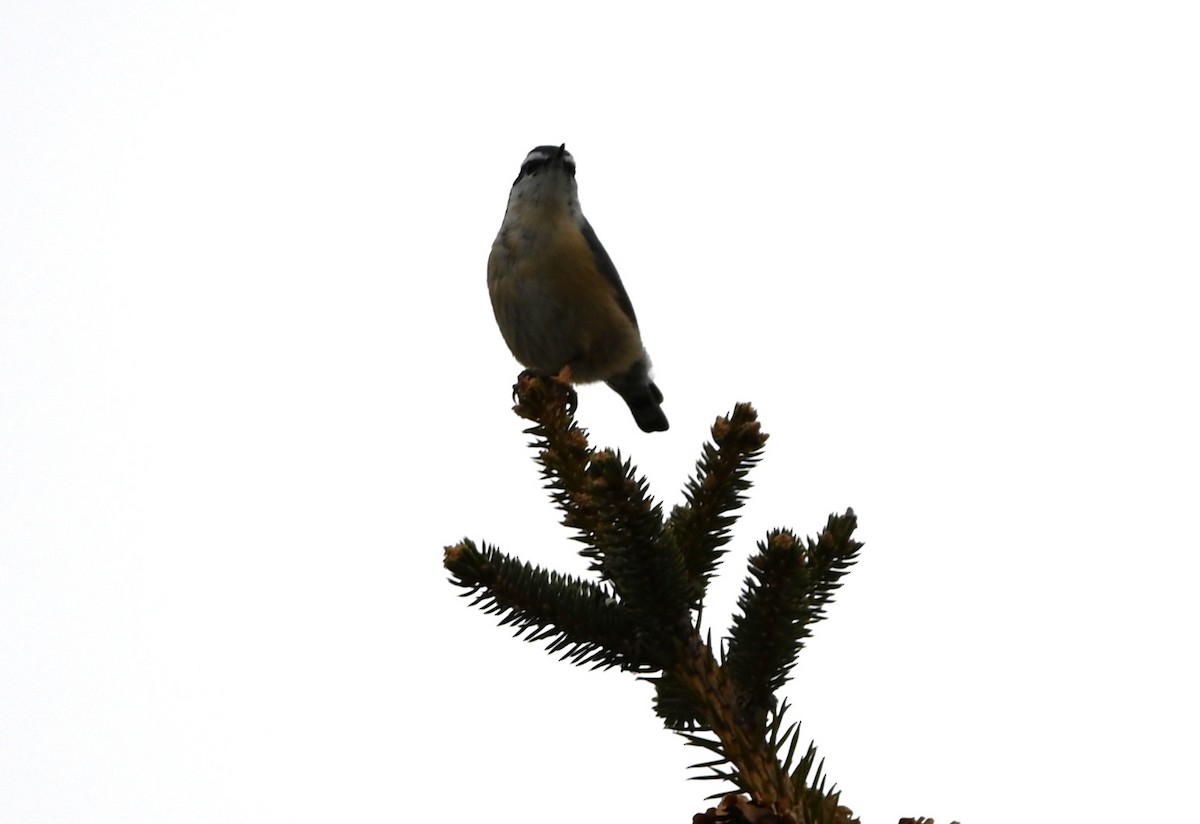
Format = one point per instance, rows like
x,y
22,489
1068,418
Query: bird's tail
x,y
643,398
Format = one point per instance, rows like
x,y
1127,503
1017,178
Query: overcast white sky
x,y
250,386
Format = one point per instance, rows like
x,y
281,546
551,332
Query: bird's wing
x,y
605,265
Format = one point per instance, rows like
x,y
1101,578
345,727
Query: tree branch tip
x,y
743,424
540,397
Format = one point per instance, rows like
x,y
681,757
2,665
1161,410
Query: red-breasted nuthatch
x,y
557,297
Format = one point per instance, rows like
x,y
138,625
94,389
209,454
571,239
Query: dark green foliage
x,y
609,506
580,617
673,703
628,548
789,586
700,527
642,614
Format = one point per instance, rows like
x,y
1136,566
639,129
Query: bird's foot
x,y
562,381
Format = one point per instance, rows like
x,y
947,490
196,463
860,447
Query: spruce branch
x,y
562,450
608,505
701,525
790,584
580,618
645,570
673,704
642,614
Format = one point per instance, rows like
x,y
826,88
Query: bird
x,y
557,297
